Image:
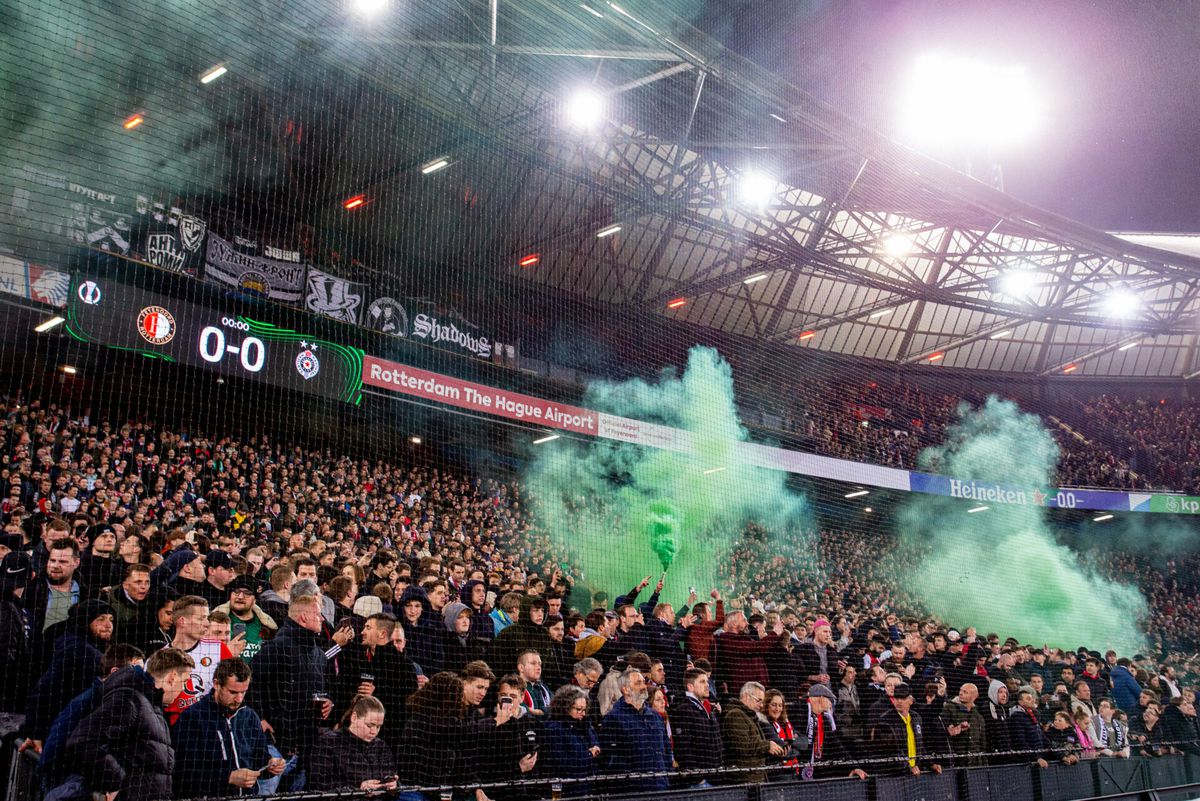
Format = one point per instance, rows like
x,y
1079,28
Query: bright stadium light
x,y
1121,303
857,494
585,109
545,439
48,323
957,102
898,245
1019,284
756,189
213,73
368,8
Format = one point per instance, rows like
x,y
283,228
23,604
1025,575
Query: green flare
x,y
660,527
1001,569
620,510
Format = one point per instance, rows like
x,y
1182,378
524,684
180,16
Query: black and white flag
x,y
334,297
254,275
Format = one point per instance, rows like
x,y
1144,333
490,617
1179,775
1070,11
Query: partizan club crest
x,y
307,363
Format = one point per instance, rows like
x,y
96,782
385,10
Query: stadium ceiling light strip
x,y
530,260
350,204
857,494
435,165
936,357
133,121
777,118
69,370
545,439
975,509
591,11
1001,334
881,313
1128,346
754,278
807,335
1102,518
676,303
46,325
609,231
712,470
415,440
1070,368
213,73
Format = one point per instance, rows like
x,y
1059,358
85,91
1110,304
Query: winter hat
x,y
368,605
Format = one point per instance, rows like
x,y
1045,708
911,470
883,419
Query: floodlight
x,y
1019,284
585,108
1121,303
756,189
213,73
958,102
898,245
368,8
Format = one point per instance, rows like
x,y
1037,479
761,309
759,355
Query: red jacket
x,y
700,635
740,658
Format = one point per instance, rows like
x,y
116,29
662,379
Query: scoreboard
x,y
119,316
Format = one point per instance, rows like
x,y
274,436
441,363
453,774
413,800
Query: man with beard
x,y
76,662
633,738
242,609
219,743
50,600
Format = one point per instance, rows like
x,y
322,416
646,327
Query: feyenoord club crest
x,y
156,325
307,363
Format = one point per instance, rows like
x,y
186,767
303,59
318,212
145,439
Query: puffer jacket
x,y
288,672
210,745
342,761
125,745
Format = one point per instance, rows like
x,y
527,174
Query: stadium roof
x,y
861,247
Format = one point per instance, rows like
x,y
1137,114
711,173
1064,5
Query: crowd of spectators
x,y
193,616
891,423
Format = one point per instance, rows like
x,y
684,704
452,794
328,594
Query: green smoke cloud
x,y
1001,569
625,511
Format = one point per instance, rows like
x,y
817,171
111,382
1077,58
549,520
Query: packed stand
x,y
185,616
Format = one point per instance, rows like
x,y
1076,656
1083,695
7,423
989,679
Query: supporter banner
x,y
174,240
34,282
476,397
387,315
253,275
448,334
52,203
334,297
431,386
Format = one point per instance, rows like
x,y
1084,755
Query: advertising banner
x,y
34,282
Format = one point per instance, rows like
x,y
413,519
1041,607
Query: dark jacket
x,y
1026,734
437,751
697,735
342,761
664,643
124,745
746,744
524,635
426,637
55,743
565,753
968,746
395,679
209,745
890,739
97,572
1098,685
635,741
288,671
75,664
833,750
16,651
482,627
1179,730
1125,689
